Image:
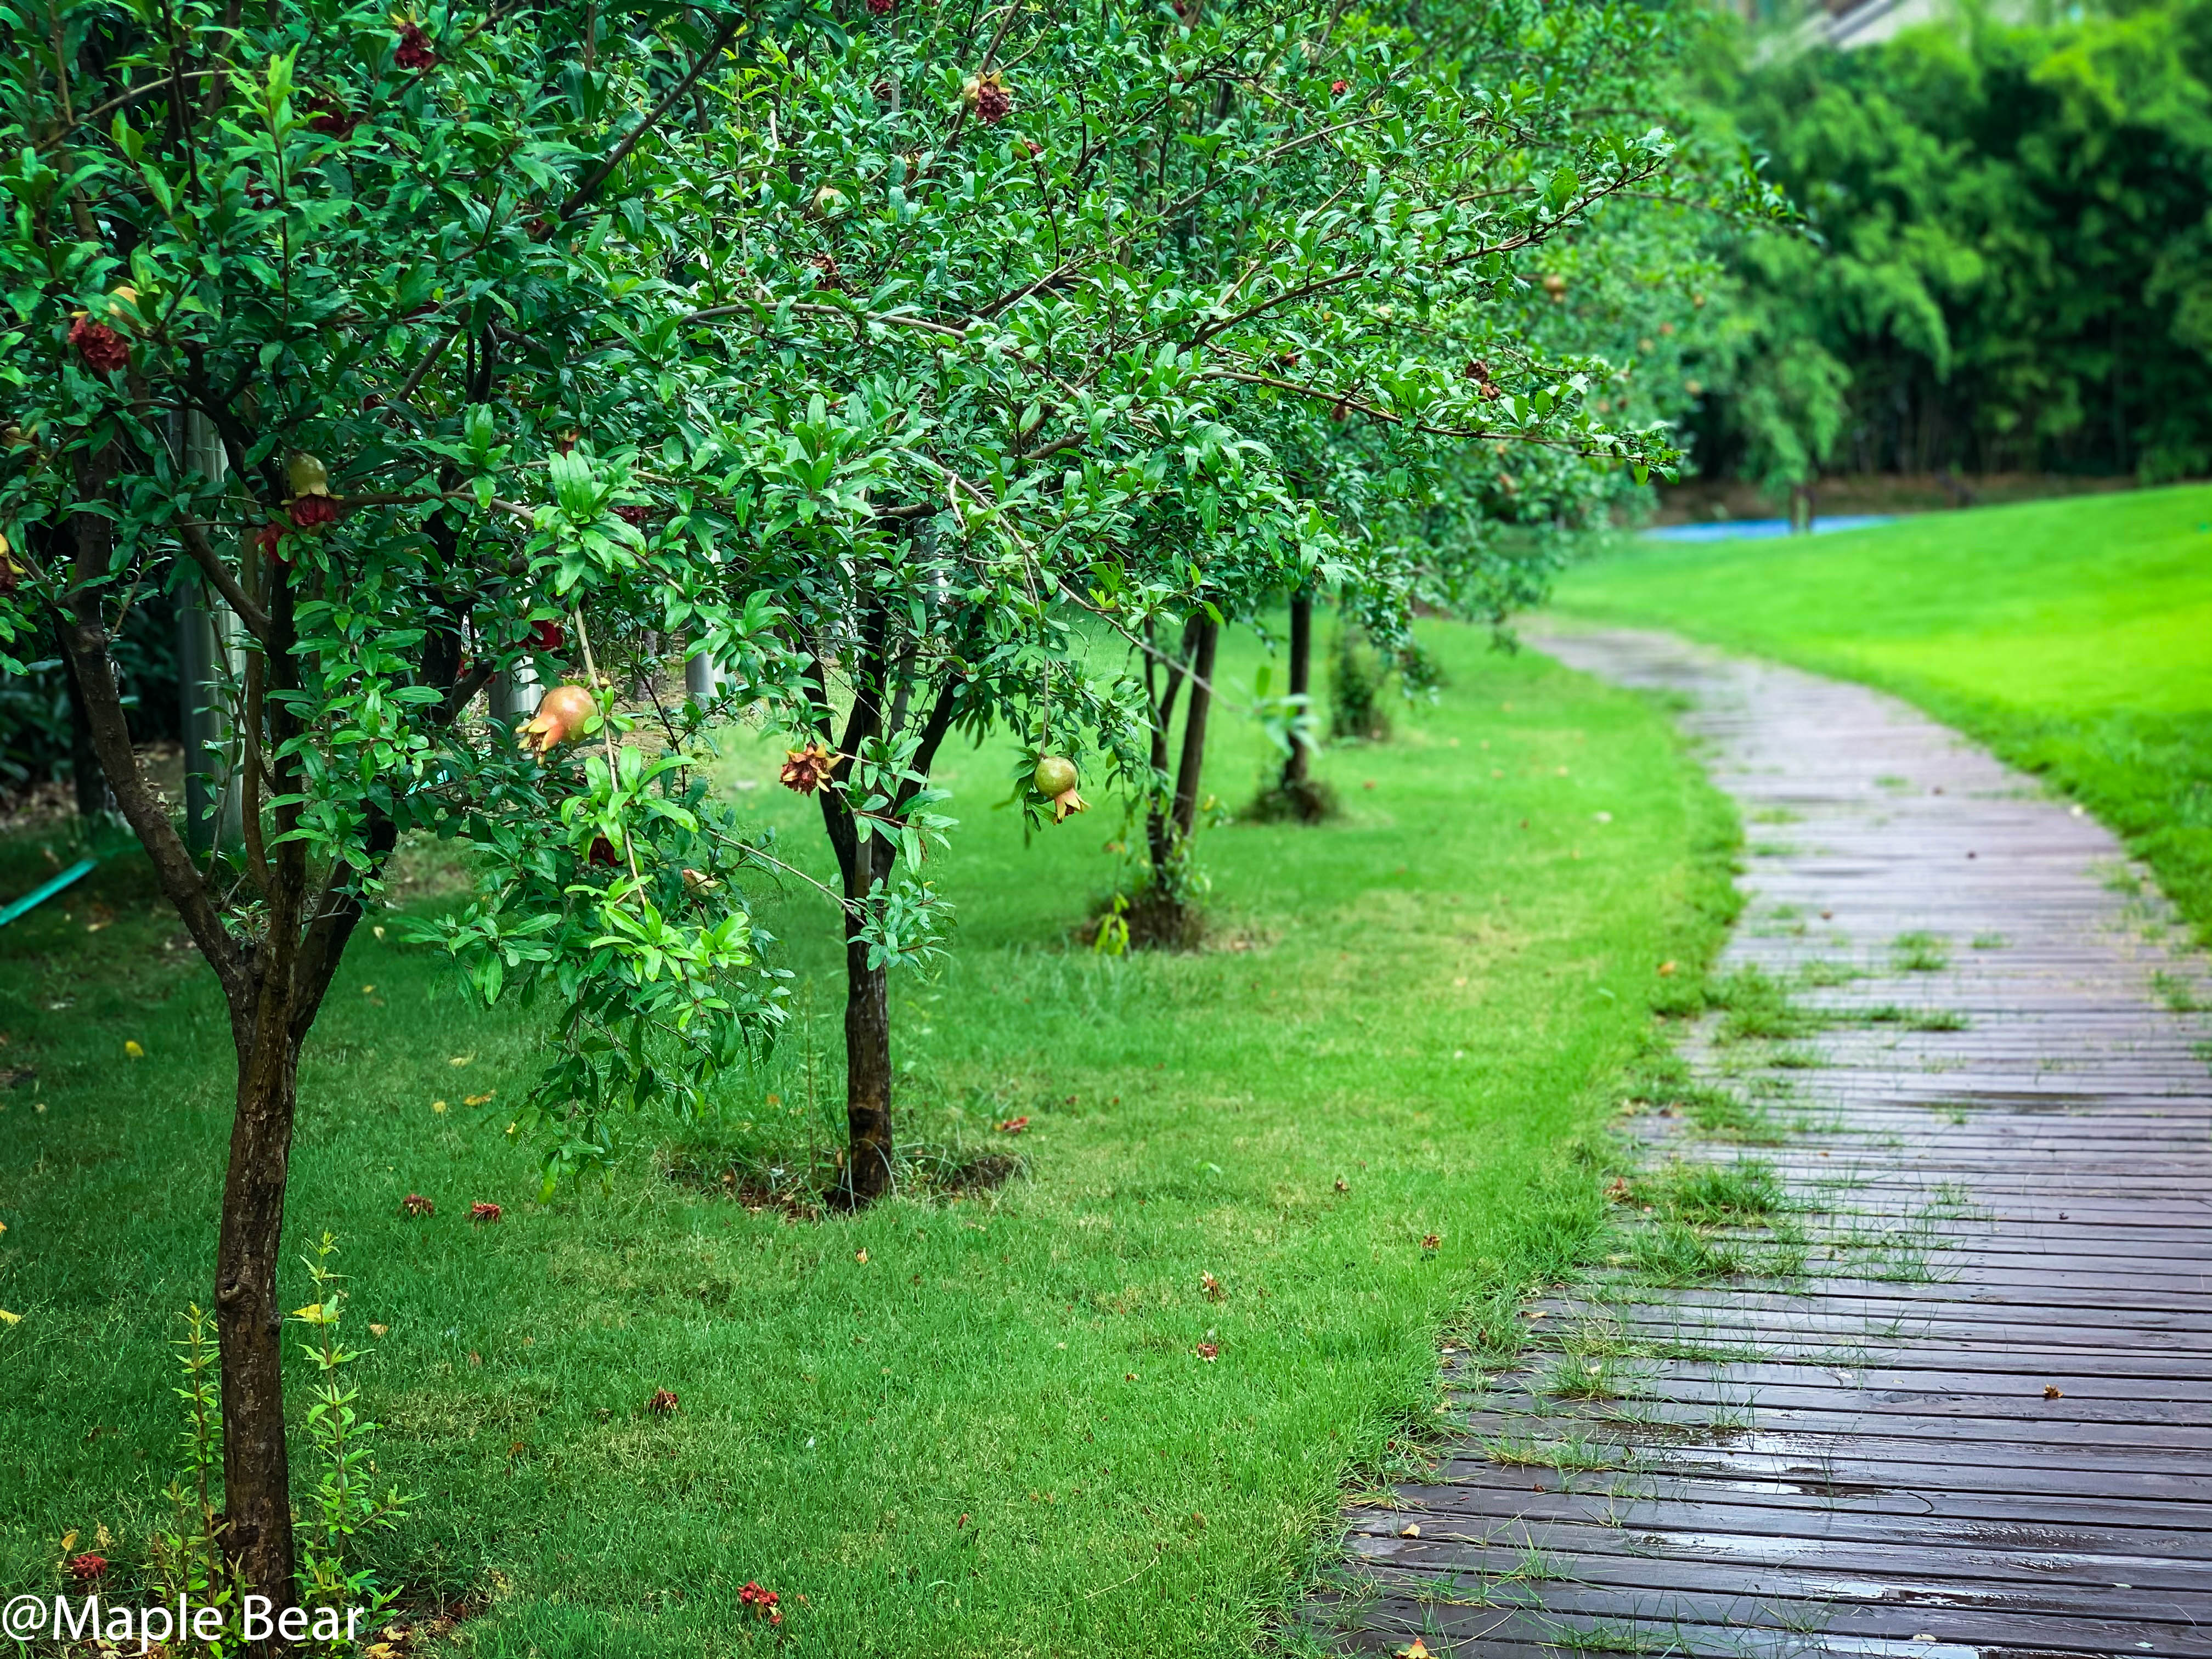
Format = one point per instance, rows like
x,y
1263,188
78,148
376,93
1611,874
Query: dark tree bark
x,y
1297,766
1162,913
87,777
1193,762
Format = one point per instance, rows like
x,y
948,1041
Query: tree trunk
x,y
1193,762
864,864
1299,765
87,776
256,1484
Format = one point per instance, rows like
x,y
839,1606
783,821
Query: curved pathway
x,y
1977,1421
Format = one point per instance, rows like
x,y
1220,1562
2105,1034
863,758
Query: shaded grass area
x,y
977,1426
2074,637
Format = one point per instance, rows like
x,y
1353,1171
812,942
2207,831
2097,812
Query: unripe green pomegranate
x,y
1055,776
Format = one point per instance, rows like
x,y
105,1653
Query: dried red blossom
x,y
881,7
270,544
309,511
330,116
103,349
1209,1351
1431,1241
603,853
807,769
87,1567
1012,1125
414,52
661,1404
752,1596
548,635
415,1204
826,274
636,517
483,1212
993,105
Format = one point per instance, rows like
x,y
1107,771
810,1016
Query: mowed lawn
x,y
2074,637
973,1427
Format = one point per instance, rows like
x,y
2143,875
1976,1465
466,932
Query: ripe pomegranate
x,y
1555,285
560,719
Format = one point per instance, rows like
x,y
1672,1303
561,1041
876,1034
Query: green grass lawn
x,y
992,1435
2074,637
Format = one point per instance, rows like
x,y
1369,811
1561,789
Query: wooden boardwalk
x,y
1979,1422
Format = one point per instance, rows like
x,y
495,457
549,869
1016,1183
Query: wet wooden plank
x,y
1864,1460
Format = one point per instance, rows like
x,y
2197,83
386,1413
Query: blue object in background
x,y
1731,529
39,896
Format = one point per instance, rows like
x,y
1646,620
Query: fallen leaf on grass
x,y
379,1330
1415,1649
861,1257
132,1049
1410,1529
7,1318
478,1100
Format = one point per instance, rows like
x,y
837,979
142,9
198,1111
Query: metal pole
x,y
213,811
703,677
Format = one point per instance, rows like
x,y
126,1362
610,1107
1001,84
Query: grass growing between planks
x,y
971,1427
2071,636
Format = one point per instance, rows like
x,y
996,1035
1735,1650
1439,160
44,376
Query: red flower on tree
x,y
103,349
309,511
1338,88
881,7
414,52
548,635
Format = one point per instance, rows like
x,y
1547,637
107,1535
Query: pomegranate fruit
x,y
560,719
1055,776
